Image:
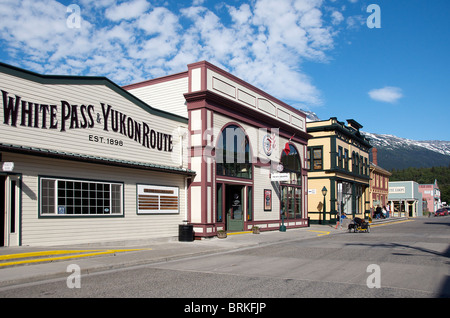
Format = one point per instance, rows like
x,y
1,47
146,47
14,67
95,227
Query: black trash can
x,y
185,233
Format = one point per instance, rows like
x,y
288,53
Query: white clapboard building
x,y
83,160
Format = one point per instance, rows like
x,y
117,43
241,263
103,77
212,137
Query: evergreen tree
x,y
426,176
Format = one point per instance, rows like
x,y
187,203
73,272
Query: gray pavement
x,y
121,254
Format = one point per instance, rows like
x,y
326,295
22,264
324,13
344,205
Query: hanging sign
x,y
269,143
279,177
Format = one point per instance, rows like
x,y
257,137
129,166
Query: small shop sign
x,y
8,166
279,177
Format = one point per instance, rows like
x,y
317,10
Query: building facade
x,y
379,183
338,170
85,161
431,195
248,150
405,199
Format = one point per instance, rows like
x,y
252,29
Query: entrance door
x,y
9,210
291,204
234,206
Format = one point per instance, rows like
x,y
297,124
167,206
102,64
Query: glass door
x,y
234,196
298,203
291,205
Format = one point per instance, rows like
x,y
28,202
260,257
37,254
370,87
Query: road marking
x,y
43,253
322,233
388,223
235,233
78,254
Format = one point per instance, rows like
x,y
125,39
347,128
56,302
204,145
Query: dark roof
x,y
93,159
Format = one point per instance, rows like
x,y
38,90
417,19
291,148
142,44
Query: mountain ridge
x,y
401,153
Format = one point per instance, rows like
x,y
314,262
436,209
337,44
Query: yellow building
x,y
338,171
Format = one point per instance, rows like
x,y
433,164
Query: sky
x,y
383,63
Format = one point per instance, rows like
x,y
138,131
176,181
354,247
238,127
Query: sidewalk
x,y
114,255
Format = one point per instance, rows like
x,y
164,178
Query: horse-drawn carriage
x,y
359,225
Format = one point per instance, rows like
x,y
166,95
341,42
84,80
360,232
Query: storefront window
x,y
219,196
358,198
75,197
345,197
291,205
291,190
233,154
249,203
291,164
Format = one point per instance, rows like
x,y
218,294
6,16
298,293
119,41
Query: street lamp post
x,y
324,193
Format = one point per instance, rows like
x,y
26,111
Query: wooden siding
x,y
82,140
167,96
56,230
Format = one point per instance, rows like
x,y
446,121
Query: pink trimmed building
x,y
431,195
248,149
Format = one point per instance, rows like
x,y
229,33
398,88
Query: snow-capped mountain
x,y
393,142
310,116
400,153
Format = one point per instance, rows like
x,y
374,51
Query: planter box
x,y
222,235
256,230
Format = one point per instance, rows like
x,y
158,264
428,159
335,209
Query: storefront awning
x,y
93,159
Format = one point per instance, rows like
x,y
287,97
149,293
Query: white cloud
x,y
197,2
386,94
159,21
337,17
356,21
127,10
241,15
264,42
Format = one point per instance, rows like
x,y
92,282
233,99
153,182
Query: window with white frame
x,y
79,197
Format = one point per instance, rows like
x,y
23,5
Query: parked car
x,y
441,212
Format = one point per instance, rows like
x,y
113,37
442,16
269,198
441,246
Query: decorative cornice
x,y
217,103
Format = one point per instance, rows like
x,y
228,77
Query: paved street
x,y
407,260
